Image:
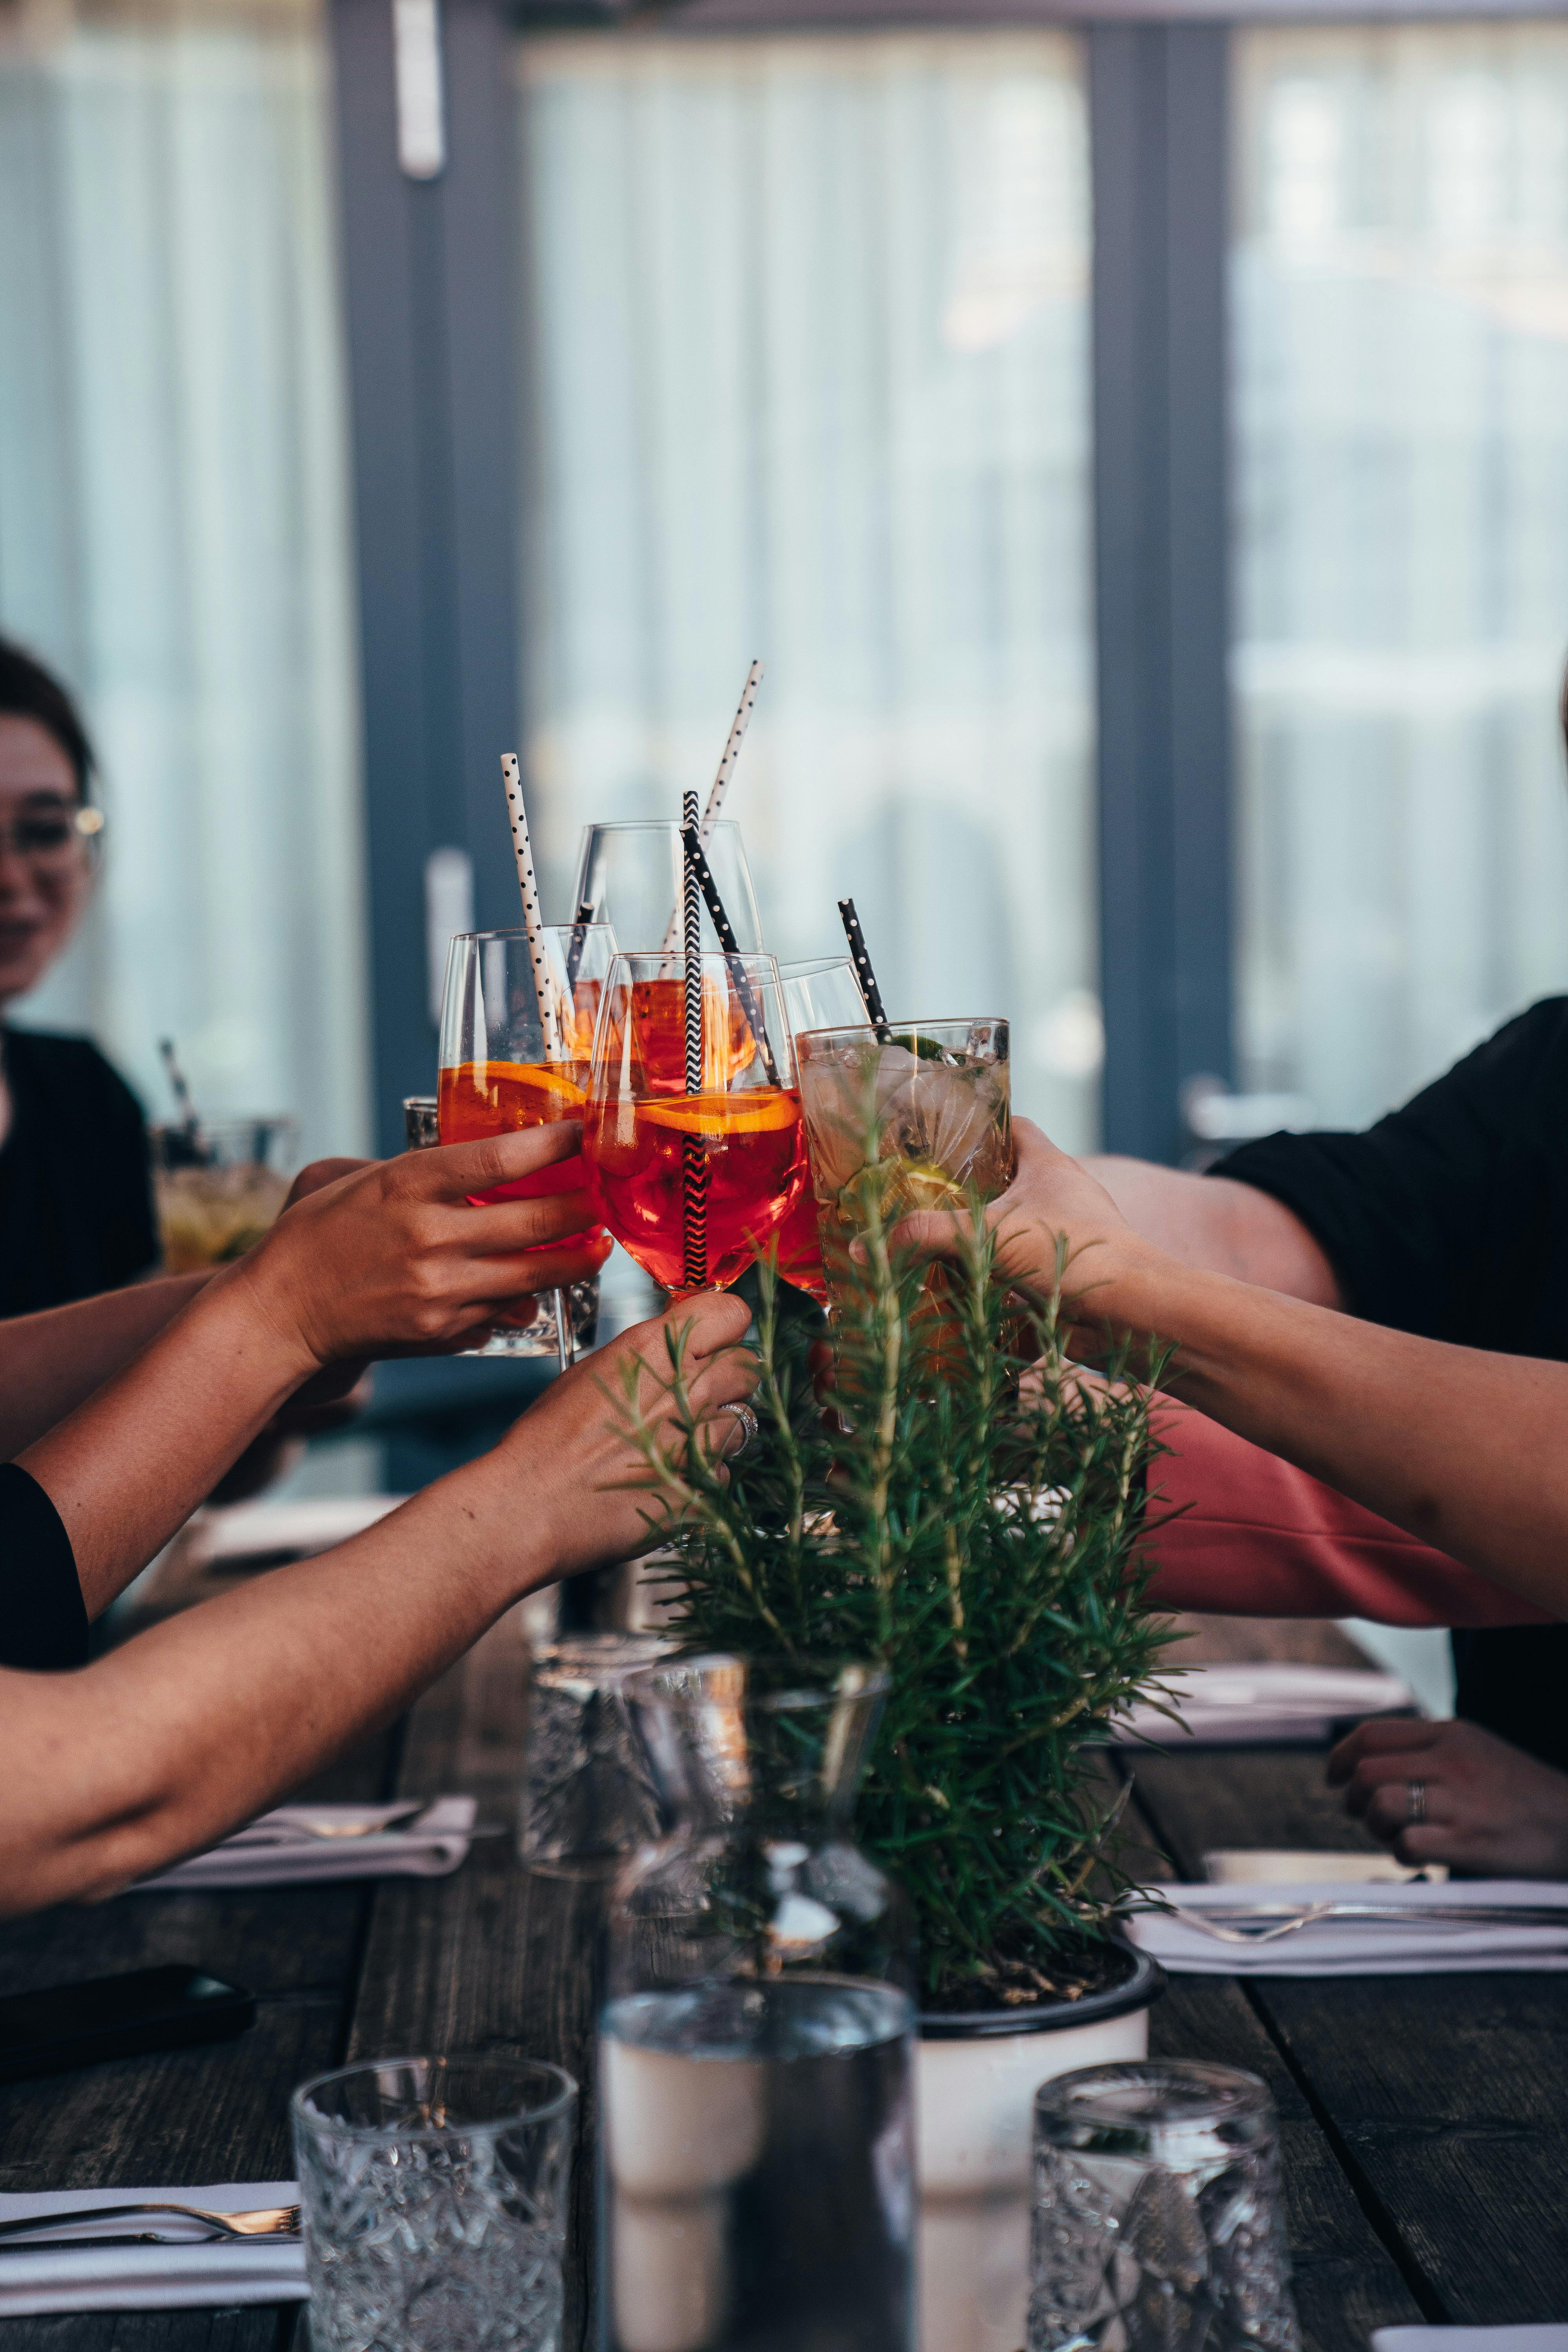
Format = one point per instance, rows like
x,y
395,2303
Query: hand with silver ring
x,y
749,1426
1450,1792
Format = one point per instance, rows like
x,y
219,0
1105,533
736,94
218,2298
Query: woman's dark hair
x,y
28,691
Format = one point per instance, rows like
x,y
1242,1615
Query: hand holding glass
x,y
509,1061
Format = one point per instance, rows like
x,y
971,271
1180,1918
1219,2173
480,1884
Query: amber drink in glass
x,y
509,1061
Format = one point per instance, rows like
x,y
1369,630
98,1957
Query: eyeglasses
x,y
51,836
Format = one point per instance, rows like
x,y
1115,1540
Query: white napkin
x,y
1363,1947
1534,2336
152,2278
264,1854
1276,1702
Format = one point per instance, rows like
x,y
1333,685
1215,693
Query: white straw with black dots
x,y
722,780
532,921
694,1157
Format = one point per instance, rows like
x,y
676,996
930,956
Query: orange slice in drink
x,y
760,1110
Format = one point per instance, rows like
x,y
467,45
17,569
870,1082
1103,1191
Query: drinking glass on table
x,y
1158,2218
820,994
217,1185
920,1117
509,1061
632,874
433,2197
693,1182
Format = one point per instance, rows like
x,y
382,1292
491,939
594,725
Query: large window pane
x,y
174,532
806,325
1401,284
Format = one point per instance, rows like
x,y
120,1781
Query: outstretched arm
x,y
390,1257
50,1362
1215,1222
1462,1449
168,1742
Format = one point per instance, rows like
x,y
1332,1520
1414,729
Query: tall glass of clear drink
x,y
917,1118
755,2055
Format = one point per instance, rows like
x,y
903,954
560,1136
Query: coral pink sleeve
x,y
1257,1537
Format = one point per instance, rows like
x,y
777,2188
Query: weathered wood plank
x,y
190,2116
1447,2096
1346,2281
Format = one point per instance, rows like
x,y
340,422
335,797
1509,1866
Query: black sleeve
x,y
1405,1212
42,1618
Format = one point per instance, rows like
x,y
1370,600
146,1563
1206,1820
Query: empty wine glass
x,y
632,874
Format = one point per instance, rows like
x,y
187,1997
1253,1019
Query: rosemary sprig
x,y
967,1512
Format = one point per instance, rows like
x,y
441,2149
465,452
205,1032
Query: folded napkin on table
x,y
1534,2336
1341,1946
1274,1703
278,1850
151,2278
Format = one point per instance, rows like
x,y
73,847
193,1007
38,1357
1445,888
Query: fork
x,y
267,2221
1270,1927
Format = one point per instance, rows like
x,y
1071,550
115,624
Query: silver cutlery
x,y
1266,1923
291,1833
268,2222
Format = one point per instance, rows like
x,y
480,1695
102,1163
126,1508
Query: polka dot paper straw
x,y
722,782
694,1239
532,921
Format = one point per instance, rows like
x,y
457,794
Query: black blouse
x,y
1450,1218
76,1196
42,1618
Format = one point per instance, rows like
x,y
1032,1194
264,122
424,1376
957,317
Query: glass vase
x,y
756,2053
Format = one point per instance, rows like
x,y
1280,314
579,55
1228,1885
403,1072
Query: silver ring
x,y
1415,1803
749,1424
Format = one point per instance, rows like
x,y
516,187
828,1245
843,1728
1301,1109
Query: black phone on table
x,y
169,2008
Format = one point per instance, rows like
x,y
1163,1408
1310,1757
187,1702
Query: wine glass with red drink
x,y
694,1181
513,1055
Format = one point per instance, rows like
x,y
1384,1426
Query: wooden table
x,y
1425,2120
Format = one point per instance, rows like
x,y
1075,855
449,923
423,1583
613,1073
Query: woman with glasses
x,y
76,1208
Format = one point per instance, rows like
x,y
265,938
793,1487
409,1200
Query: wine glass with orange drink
x,y
694,1181
515,1053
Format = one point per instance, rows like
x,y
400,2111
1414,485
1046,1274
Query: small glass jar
x,y
1158,2216
757,2042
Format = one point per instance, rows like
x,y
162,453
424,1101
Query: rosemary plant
x,y
965,1510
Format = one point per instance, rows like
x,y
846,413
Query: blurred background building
x,y
1138,449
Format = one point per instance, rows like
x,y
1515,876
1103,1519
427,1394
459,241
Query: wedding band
x,y
1414,1801
748,1421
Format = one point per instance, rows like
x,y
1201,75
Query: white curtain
x,y
806,323
174,534
1401,338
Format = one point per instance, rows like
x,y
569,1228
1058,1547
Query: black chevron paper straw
x,y
694,1188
